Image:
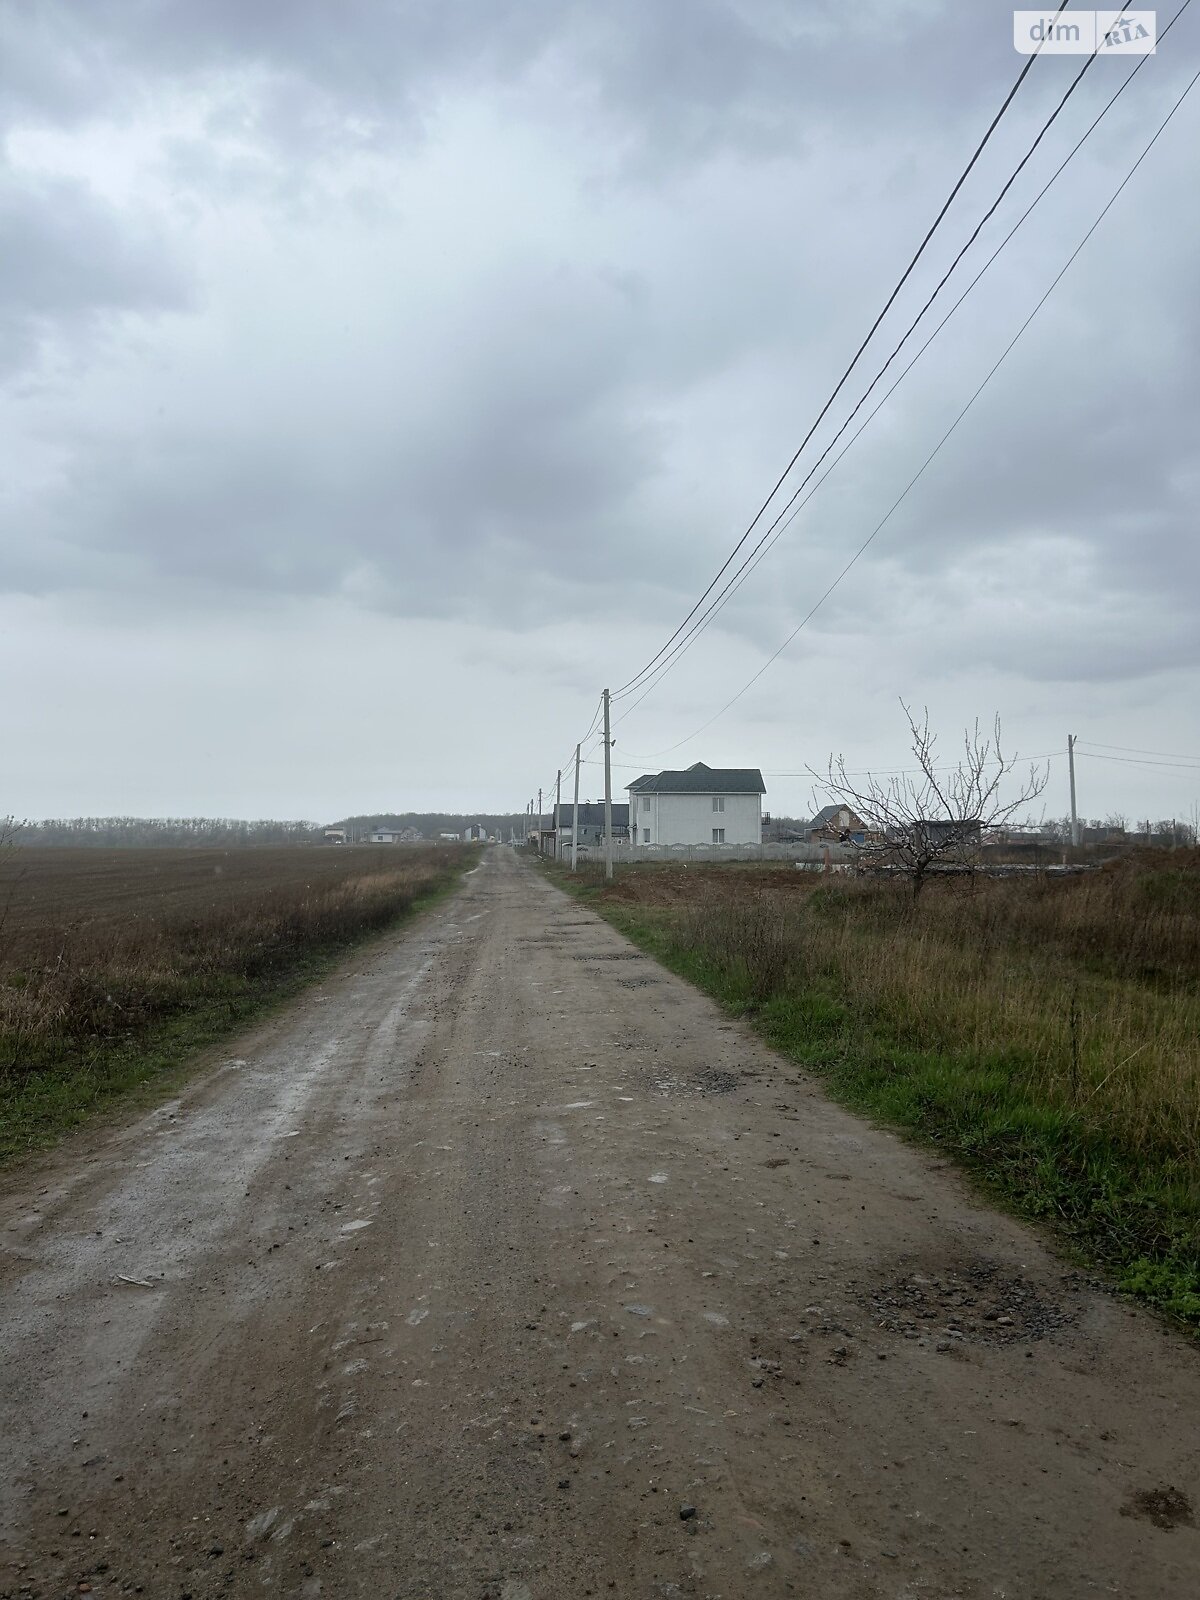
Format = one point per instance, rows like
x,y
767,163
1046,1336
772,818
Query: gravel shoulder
x,y
471,1271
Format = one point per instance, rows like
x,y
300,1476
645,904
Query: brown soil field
x,y
118,965
88,887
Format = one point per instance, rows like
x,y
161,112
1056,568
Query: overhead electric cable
x,y
1133,761
904,277
1132,750
865,772
783,520
953,426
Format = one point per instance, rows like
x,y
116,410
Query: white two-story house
x,y
704,805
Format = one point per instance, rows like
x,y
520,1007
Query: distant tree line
x,y
1167,832
233,831
165,831
431,823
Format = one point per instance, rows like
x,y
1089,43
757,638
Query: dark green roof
x,y
699,779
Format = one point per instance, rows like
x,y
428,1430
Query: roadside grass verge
x,y
1046,1034
114,992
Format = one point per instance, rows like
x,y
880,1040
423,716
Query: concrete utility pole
x,y
541,819
575,816
557,815
1071,768
608,851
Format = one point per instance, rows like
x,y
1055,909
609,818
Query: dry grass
x,y
1088,988
1048,1030
103,953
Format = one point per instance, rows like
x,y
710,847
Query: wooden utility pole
x,y
575,819
1071,769
608,845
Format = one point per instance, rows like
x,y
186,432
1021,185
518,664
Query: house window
x,y
718,802
645,802
718,835
645,835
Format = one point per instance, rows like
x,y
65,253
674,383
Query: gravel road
x,y
502,1265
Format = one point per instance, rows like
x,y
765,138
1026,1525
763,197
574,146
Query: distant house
x,y
475,834
836,824
702,805
1106,833
335,835
946,833
591,823
387,835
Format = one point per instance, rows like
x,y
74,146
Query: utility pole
x,y
608,848
541,819
575,816
558,815
1071,767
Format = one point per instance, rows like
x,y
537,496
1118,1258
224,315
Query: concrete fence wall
x,y
805,854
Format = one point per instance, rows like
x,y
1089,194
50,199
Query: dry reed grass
x,y
97,946
1086,989
1044,1031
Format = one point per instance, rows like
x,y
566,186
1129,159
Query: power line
x,y
1133,750
783,520
868,772
1132,761
992,126
945,437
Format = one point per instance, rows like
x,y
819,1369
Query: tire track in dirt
x,y
478,1267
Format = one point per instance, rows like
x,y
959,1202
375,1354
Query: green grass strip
x,y
1135,1220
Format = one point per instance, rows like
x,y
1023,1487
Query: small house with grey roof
x,y
702,805
591,822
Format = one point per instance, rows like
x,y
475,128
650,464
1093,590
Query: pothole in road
x,y
1165,1508
716,1080
609,955
709,1080
976,1303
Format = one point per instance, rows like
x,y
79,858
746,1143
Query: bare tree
x,y
936,815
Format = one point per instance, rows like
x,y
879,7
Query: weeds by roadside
x,y
1045,1032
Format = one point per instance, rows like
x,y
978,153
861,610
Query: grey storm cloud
x,y
721,71
67,257
489,312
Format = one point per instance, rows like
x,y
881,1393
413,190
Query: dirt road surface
x,y
504,1265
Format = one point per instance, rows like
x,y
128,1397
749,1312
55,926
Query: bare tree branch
x,y
932,817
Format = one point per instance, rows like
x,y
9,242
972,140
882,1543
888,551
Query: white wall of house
x,y
695,818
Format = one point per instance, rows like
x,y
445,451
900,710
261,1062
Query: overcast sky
x,y
379,380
